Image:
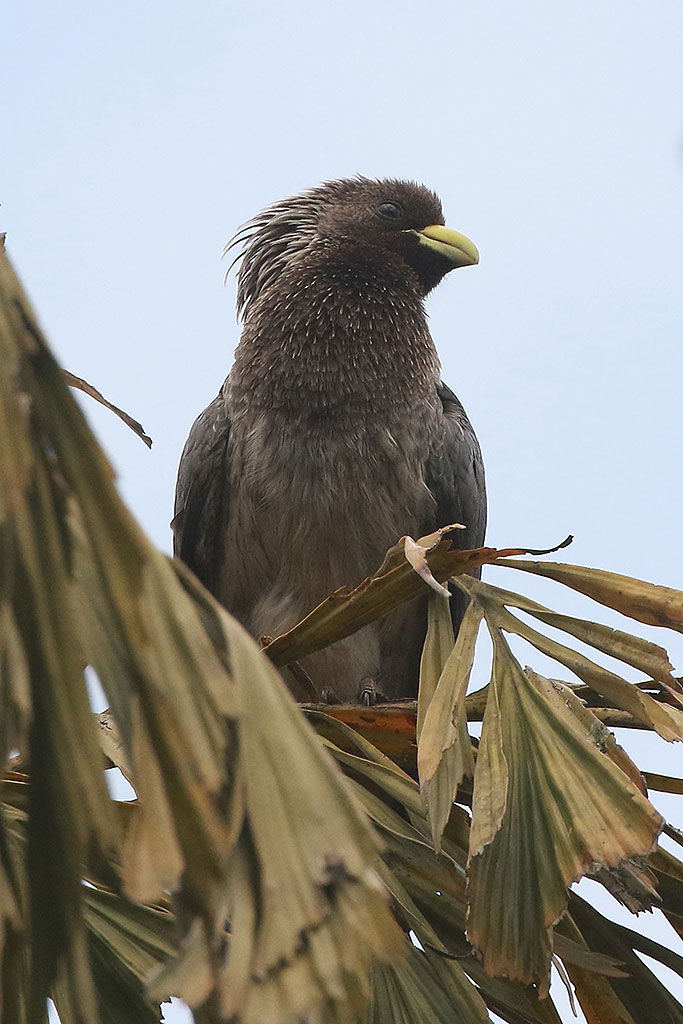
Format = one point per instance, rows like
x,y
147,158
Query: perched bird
x,y
333,434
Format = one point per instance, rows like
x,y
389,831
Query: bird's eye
x,y
390,211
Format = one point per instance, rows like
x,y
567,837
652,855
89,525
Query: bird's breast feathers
x,y
332,499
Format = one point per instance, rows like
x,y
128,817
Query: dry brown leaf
x,y
635,651
416,553
112,745
349,609
668,721
444,753
82,385
599,734
645,602
228,773
663,783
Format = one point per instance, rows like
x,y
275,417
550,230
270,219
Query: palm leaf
x,y
283,850
81,584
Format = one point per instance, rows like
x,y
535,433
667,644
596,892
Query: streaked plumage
x,y
332,435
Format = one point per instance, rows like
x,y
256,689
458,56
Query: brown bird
x,y
333,434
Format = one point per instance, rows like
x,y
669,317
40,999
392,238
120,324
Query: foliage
x,y
277,859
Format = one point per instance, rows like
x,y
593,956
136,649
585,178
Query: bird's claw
x,y
370,694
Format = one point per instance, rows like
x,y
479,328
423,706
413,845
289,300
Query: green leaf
x,y
547,805
640,997
14,913
125,942
572,953
669,874
425,987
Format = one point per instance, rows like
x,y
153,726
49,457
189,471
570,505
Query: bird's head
x,y
359,225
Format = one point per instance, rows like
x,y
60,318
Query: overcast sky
x,y
138,136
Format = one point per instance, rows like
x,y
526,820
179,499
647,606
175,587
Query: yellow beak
x,y
455,247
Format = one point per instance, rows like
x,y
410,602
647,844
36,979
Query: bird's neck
x,y
335,338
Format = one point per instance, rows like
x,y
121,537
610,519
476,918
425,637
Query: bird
x,y
333,434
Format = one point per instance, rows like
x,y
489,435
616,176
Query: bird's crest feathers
x,y
274,238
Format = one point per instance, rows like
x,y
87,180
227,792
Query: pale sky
x,y
138,136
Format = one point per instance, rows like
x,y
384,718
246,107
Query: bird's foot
x,y
370,694
328,696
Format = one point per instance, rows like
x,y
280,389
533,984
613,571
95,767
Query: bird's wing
x,y
202,494
455,475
